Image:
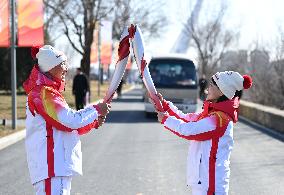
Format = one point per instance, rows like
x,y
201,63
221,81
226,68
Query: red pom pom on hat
x,y
247,81
34,51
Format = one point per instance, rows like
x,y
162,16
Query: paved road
x,y
134,155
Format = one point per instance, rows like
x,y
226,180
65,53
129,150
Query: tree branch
x,y
66,31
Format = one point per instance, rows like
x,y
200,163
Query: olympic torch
x,y
138,50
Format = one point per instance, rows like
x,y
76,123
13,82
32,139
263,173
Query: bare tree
x,y
77,20
278,66
148,15
268,87
211,41
50,21
261,92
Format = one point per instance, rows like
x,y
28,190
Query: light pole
x,y
13,67
99,57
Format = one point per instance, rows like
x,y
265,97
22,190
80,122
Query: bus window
x,y
173,73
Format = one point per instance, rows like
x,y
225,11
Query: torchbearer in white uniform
x,y
210,133
52,142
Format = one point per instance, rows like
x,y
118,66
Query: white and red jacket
x,y
52,140
210,136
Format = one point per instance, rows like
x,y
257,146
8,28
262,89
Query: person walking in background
x,y
53,129
80,88
202,87
210,133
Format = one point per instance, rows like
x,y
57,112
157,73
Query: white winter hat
x,y
48,57
229,82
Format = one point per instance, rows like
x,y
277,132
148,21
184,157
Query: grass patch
x,y
6,106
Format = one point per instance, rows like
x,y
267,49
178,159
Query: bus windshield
x,y
173,73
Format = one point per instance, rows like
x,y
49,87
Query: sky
x,y
257,21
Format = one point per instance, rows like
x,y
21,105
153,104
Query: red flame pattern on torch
x,y
131,31
143,65
123,49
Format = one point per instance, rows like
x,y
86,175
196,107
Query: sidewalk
x,y
12,138
19,135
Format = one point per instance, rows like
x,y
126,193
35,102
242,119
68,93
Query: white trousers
x,y
199,191
54,186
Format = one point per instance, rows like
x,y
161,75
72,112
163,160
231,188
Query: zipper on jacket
x,y
199,182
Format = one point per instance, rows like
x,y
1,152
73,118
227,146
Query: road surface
x,y
134,155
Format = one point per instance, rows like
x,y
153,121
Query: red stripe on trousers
x,y
47,188
212,166
50,152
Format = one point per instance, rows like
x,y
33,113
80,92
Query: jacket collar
x,y
230,107
37,78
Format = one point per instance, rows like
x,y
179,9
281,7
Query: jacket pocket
x,y
193,167
72,148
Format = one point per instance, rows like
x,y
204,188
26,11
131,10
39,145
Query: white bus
x,y
175,77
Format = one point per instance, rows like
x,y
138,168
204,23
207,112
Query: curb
x,y
15,137
271,132
12,138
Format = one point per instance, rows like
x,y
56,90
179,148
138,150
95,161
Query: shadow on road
x,y
132,116
132,96
128,99
134,93
126,115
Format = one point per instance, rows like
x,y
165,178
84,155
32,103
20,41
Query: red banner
x,y
94,47
30,23
106,52
105,47
4,24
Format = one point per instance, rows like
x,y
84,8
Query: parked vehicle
x,y
175,77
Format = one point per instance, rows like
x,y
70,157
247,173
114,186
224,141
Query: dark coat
x,y
80,85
